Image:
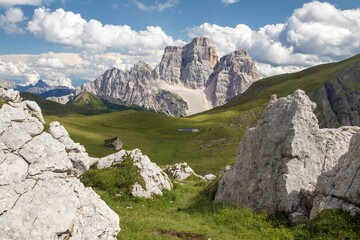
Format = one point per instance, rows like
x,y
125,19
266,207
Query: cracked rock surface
x,y
339,188
40,194
280,160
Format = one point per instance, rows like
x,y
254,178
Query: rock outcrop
x,y
114,143
280,160
177,85
232,76
155,179
40,194
182,171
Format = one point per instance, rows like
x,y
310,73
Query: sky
x,y
68,42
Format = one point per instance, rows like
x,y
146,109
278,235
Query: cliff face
x,y
232,76
134,88
183,83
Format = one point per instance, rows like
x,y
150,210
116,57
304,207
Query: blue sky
x,y
68,41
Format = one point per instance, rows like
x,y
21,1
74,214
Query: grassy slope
x,y
188,213
220,129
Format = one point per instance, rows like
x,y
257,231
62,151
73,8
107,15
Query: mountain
x,y
134,88
188,80
44,90
84,104
233,74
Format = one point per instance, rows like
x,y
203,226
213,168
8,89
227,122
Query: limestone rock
x,y
283,155
209,177
134,88
232,76
155,179
40,196
181,171
340,187
114,143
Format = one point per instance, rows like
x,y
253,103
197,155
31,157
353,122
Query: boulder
x,y
114,143
280,160
155,179
40,194
181,171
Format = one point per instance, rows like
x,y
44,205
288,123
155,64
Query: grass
x,y
187,213
118,179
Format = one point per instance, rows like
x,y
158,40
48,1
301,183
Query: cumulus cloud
x,y
10,3
157,6
61,68
315,33
11,19
229,1
70,29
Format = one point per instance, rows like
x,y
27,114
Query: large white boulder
x,y
280,159
40,195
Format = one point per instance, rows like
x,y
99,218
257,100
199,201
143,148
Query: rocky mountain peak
x,y
233,75
200,42
41,84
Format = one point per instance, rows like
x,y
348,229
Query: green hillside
x,y
221,129
83,104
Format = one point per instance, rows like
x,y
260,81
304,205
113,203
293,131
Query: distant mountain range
x,y
188,80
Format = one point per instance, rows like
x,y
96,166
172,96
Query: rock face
x,y
179,81
339,187
134,88
40,194
280,160
190,65
339,98
232,76
155,179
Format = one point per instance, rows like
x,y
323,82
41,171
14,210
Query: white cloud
x,y
11,19
70,29
10,3
62,68
229,1
315,33
157,6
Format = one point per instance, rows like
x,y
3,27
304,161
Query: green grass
x,y
118,179
187,212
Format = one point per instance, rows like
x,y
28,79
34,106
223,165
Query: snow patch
x,y
195,98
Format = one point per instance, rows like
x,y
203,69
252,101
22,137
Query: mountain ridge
x,y
184,71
